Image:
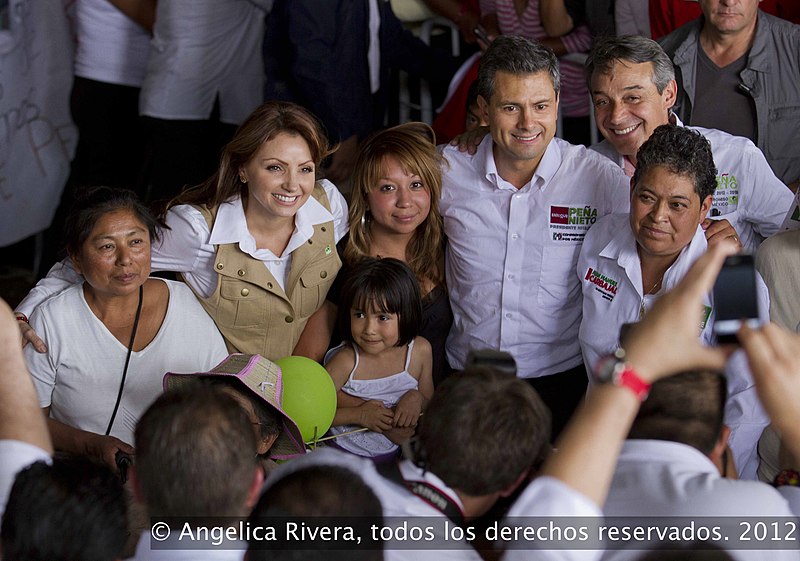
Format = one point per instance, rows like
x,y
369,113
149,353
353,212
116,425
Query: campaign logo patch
x,y
569,224
726,195
559,215
704,319
606,286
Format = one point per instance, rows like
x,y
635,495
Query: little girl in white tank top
x,y
382,370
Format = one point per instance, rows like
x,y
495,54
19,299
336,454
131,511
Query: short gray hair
x,y
515,55
631,48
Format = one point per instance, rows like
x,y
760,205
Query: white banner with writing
x,y
37,137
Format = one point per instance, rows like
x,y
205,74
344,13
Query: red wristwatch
x,y
613,369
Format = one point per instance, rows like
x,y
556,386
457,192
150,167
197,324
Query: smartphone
x,y
735,298
480,33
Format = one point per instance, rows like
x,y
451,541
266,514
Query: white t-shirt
x,y
79,376
112,48
202,50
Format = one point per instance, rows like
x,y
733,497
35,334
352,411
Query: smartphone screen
x,y
735,296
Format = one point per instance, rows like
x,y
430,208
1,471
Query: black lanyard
x,y
425,491
127,360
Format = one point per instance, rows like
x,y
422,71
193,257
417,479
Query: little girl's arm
x,y
340,365
410,406
351,410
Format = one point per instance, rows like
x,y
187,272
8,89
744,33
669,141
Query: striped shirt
x,y
574,96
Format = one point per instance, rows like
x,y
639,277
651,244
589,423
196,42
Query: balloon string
x,y
315,440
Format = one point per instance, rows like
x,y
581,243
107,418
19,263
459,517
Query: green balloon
x,y
309,396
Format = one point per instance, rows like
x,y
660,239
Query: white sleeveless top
x,y
389,390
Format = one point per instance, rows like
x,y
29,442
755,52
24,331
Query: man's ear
x,y
670,94
483,106
254,492
705,206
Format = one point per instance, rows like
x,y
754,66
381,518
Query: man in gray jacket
x,y
744,80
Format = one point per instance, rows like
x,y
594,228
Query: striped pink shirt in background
x,y
574,97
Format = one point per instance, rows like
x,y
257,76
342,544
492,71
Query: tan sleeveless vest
x,y
248,305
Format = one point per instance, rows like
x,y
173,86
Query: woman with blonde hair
x,y
394,212
256,242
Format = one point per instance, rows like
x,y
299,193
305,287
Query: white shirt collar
x,y
231,225
666,451
547,168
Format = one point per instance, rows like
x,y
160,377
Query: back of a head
x,y
194,454
73,509
517,56
332,494
686,408
482,429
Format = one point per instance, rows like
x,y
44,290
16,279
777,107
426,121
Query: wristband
x,y
21,317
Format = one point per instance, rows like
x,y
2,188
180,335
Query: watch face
x,y
606,369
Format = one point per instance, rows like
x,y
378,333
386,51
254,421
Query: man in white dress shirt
x,y
674,465
632,83
515,214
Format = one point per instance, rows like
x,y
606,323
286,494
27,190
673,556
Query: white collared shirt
x,y
663,479
189,248
748,193
512,252
611,282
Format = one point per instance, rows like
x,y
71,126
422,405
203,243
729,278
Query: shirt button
x,y
324,229
241,272
269,285
289,319
310,241
220,266
323,274
514,236
245,291
511,277
508,316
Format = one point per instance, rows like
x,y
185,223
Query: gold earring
x,y
243,179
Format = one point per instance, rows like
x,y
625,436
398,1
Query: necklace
x,y
642,309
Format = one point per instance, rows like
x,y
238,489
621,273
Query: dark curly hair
x,y
682,151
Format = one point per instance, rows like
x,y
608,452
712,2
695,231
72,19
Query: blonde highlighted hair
x,y
412,144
